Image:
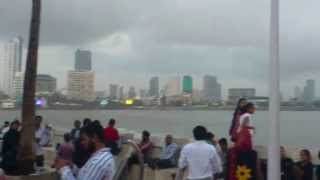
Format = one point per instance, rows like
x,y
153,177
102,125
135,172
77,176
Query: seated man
x,y
167,157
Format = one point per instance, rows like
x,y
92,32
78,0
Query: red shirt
x,y
111,134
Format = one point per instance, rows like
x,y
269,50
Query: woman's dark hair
x,y
97,122
237,111
146,133
210,135
200,133
307,153
239,101
86,121
248,106
112,122
319,154
67,137
223,141
93,129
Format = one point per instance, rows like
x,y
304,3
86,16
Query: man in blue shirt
x,y
168,157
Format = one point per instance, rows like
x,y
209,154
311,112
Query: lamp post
x,y
274,105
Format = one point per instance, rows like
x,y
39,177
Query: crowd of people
x,y
88,151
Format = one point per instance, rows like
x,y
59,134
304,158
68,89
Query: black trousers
x,y
161,163
40,161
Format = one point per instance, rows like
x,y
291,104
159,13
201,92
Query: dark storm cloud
x,y
228,38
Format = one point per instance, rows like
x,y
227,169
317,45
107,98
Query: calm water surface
x,y
298,129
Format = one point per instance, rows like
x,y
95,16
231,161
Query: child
x,y
66,149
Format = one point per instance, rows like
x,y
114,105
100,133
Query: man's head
x,y
168,139
200,133
145,135
67,137
77,124
38,121
86,121
112,122
92,136
283,152
15,125
6,124
305,155
223,143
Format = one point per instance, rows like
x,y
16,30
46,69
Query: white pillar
x,y
274,104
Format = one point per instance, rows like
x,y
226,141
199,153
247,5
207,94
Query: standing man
x,y
75,132
110,132
40,143
10,146
112,138
100,166
200,158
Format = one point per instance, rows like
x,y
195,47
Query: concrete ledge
x,y
47,176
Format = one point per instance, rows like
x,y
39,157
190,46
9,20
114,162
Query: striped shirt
x,y
100,166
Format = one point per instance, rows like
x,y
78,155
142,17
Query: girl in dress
x,y
245,130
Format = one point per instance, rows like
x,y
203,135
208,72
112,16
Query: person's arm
x,y
66,173
246,124
172,150
146,147
182,164
215,162
117,136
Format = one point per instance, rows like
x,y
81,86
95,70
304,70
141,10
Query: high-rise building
x,y
211,88
10,62
18,84
309,92
83,60
113,91
297,93
187,84
132,93
121,93
154,87
81,85
143,93
46,83
173,87
236,93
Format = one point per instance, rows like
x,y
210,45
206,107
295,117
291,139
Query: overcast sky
x,y
134,40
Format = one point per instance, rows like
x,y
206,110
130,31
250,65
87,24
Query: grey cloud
x,y
228,38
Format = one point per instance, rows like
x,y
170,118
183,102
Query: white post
x,y
274,104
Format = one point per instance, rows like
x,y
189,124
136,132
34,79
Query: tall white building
x,y
10,64
173,87
81,85
18,84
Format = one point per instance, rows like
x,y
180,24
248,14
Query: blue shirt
x,y
168,151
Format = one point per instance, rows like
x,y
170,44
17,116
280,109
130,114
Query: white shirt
x,y
100,166
39,146
242,118
5,130
201,159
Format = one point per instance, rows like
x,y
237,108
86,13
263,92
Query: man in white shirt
x,y
200,158
100,166
39,143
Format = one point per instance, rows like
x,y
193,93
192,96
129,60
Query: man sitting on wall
x,y
168,156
